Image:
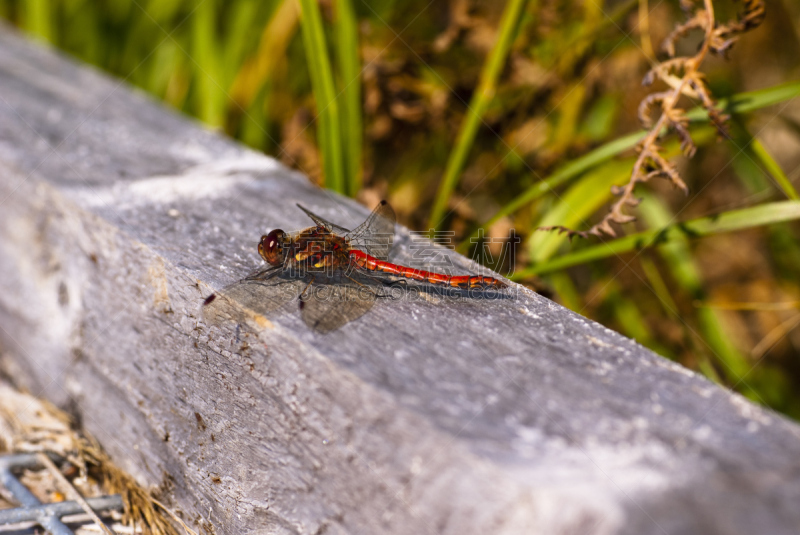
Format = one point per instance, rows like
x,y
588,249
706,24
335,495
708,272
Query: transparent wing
x,y
327,307
375,236
263,292
326,304
319,220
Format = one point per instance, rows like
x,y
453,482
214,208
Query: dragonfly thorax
x,y
314,249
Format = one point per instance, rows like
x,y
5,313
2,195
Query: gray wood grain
x,y
117,218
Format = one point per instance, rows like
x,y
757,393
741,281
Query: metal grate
x,y
47,515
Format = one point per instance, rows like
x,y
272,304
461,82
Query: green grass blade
x,y
751,100
756,216
615,18
163,65
751,148
560,176
37,20
242,15
161,12
254,128
328,116
586,197
630,319
480,100
658,286
568,294
670,307
741,103
259,74
346,33
210,99
774,169
579,202
781,238
678,257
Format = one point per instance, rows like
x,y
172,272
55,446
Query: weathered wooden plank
x,y
118,217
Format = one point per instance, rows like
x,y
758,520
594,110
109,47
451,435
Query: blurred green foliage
x,y
479,118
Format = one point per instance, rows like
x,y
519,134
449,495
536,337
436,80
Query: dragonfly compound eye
x,y
271,246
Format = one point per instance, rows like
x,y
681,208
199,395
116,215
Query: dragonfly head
x,y
271,247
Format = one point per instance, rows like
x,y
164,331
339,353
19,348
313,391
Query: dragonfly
x,y
336,275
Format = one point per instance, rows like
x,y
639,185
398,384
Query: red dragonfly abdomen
x,y
365,261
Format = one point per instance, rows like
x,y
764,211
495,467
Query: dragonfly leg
x,y
302,294
264,274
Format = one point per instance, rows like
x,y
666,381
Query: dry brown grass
x,y
29,424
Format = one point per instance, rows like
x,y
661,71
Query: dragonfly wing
x,y
327,307
262,292
321,221
375,235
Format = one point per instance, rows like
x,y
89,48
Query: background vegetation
x,y
472,114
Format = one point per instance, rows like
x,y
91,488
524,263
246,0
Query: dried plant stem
x,y
788,305
75,495
648,150
650,162
644,30
774,336
175,517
